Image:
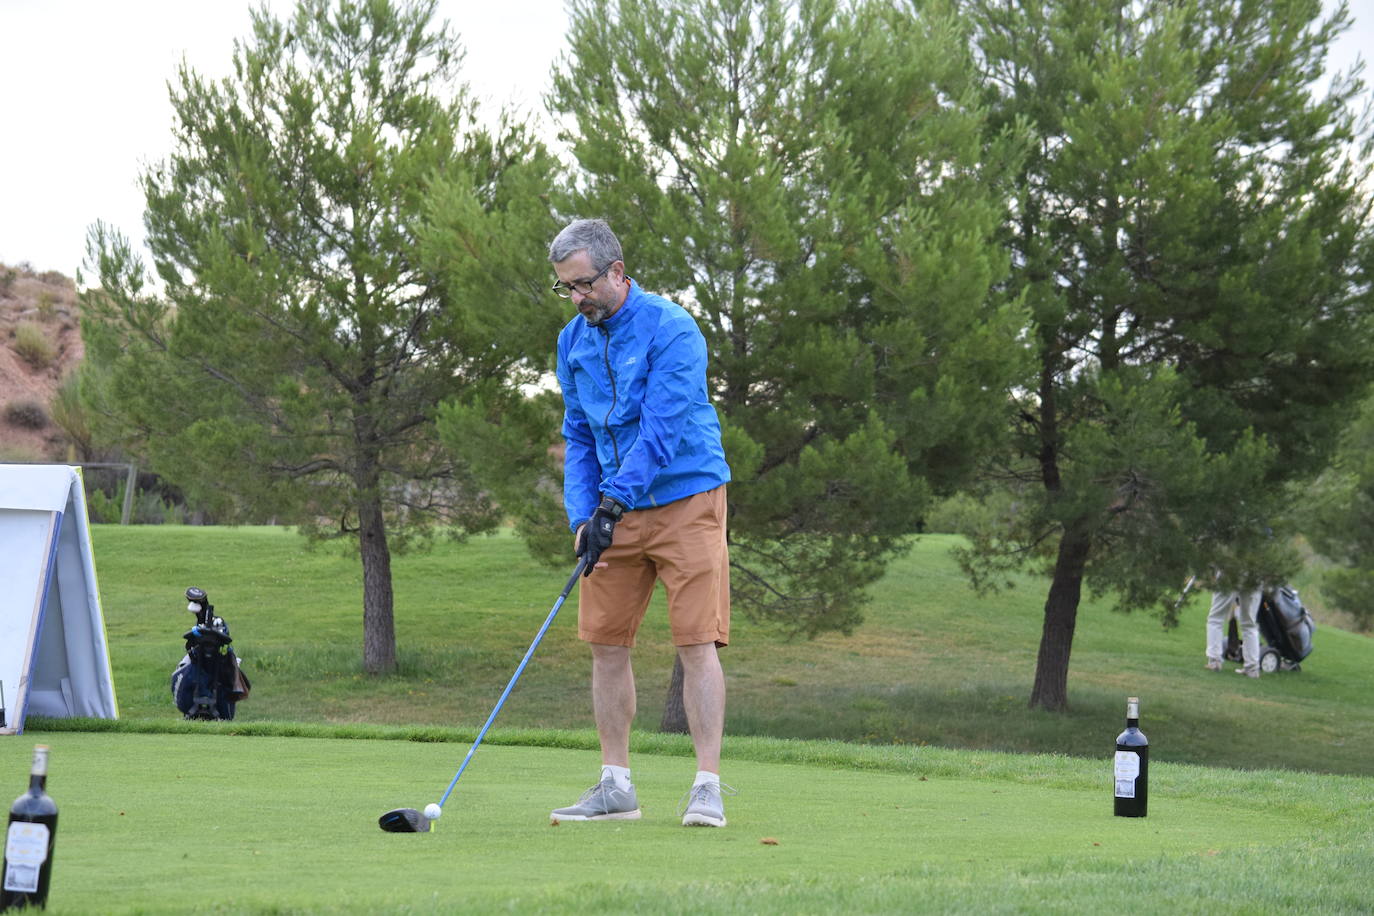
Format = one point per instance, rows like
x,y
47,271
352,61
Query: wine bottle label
x,y
26,846
1127,769
20,878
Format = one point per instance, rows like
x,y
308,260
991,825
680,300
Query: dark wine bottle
x,y
29,841
1132,770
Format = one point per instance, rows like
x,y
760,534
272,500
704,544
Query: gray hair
x,y
590,235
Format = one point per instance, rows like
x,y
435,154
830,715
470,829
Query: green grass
x,y
934,665
213,822
918,805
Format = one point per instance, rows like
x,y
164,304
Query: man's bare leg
x,y
703,696
613,702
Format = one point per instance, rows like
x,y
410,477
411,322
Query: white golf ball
x,y
432,811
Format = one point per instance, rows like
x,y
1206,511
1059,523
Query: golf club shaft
x,y
563,596
1186,589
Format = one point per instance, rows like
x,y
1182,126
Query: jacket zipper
x,y
615,396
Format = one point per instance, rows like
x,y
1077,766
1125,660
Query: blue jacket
x,y
637,420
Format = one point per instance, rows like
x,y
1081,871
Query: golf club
x,y
409,820
1188,586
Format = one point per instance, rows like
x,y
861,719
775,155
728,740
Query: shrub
x,y
32,345
15,453
149,508
101,508
7,278
1352,591
26,414
72,416
969,514
47,305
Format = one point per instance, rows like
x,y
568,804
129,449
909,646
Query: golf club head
x,y
403,820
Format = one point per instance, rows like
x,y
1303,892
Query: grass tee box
x,y
175,823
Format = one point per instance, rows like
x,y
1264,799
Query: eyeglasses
x,y
581,287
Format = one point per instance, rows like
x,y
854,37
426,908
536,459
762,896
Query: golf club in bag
x,y
207,684
409,820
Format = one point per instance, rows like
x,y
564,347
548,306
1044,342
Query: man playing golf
x,y
644,488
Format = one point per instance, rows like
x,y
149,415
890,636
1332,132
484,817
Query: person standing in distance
x,y
644,480
1246,602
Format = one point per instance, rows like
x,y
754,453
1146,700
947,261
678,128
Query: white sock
x,y
621,775
704,777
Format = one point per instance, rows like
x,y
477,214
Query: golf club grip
x,y
529,653
576,574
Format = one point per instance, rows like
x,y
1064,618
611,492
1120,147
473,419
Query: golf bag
x,y
1286,624
1286,629
208,683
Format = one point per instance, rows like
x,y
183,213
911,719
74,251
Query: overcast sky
x,y
83,97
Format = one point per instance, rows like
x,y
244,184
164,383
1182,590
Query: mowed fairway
x,y
933,663
154,823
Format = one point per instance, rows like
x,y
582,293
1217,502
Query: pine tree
x,y
1191,232
815,184
1337,515
340,247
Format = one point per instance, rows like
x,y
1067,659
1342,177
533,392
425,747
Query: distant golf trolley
x,y
1286,630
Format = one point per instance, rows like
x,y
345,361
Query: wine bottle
x,y
29,841
1132,765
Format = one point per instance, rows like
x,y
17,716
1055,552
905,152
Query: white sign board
x,y
54,660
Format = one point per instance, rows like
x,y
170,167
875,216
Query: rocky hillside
x,y
39,344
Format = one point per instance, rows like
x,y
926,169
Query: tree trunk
x,y
674,712
1051,690
379,624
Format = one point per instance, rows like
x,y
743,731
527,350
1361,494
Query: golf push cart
x,y
1286,630
208,682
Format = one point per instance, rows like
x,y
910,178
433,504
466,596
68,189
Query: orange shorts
x,y
682,543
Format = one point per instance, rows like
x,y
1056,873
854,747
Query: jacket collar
x,y
632,299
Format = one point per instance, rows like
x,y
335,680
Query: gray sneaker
x,y
602,802
703,807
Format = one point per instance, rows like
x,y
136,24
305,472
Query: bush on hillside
x,y
32,345
21,453
26,414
